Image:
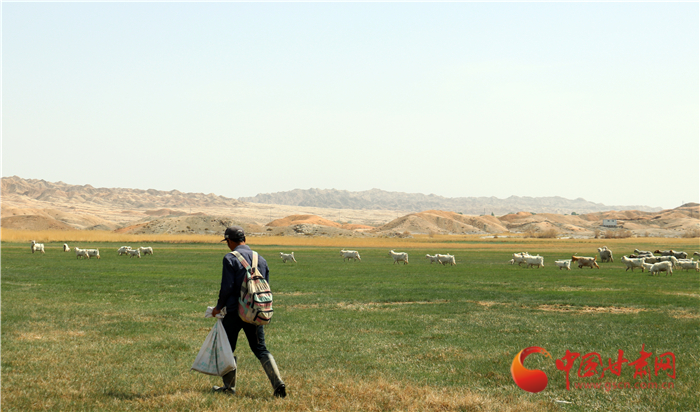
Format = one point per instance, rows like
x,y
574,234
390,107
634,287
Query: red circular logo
x,y
531,380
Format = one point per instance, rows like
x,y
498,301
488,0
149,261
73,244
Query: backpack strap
x,y
248,267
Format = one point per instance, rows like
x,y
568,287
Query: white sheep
x,y
81,253
606,254
123,250
445,259
93,253
66,248
146,250
134,252
563,264
37,247
632,263
534,261
287,256
657,268
350,254
653,259
687,264
519,258
399,257
670,258
433,259
647,266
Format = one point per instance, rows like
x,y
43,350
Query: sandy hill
x,y
66,207
437,221
672,222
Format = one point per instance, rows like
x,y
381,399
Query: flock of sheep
x,y
128,251
398,257
665,261
655,262
95,253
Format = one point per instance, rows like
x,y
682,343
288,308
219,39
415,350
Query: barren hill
x,y
64,207
38,205
672,222
437,221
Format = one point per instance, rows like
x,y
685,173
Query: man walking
x,y
232,277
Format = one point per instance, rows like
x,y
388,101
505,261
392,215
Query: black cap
x,y
234,233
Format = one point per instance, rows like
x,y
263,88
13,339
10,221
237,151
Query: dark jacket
x,y
232,276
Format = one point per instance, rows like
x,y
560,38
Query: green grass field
x,y
120,334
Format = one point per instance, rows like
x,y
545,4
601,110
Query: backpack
x,y
255,303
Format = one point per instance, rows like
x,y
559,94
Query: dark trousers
x,y
255,334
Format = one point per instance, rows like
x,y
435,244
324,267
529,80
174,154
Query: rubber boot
x,y
229,381
270,366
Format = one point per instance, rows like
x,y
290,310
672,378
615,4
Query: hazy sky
x,y
591,100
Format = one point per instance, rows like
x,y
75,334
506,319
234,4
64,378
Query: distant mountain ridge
x,y
377,199
60,192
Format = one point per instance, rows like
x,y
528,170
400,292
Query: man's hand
x,y
215,312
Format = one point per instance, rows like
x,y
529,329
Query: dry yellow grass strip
x,y
589,309
379,394
41,236
447,242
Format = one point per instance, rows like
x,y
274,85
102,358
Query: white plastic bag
x,y
215,357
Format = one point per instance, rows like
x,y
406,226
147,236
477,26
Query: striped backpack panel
x,y
255,303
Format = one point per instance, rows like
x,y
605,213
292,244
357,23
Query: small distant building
x,y
609,222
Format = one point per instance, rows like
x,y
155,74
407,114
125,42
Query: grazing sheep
x,y
432,258
399,257
123,250
146,250
134,252
534,261
657,259
66,248
287,256
652,259
81,253
585,261
687,264
632,263
93,253
445,259
677,255
519,258
37,247
670,258
664,252
606,254
350,254
680,255
563,264
657,268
